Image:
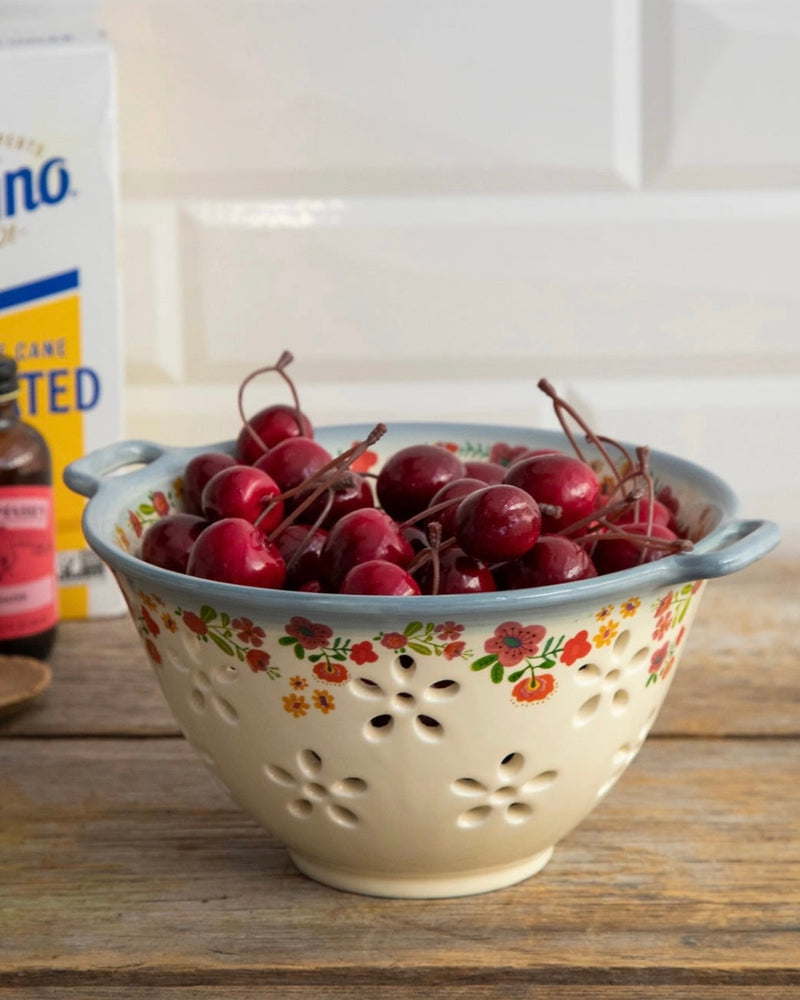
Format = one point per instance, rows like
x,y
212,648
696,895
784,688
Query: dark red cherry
x,y
168,541
558,480
349,491
488,472
358,537
639,512
612,553
497,523
506,454
293,460
243,491
452,492
415,536
410,477
553,559
300,546
235,551
199,469
458,573
378,577
272,425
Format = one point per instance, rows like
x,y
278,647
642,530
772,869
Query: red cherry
x,y
377,576
358,537
168,541
199,469
558,480
553,559
506,454
639,512
410,477
488,472
349,491
300,547
243,491
293,460
613,553
235,551
415,536
458,574
453,491
497,523
272,425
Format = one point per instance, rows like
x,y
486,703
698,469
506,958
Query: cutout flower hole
x,y
365,687
518,812
278,774
442,690
588,673
379,726
428,727
511,765
310,762
541,781
474,817
342,816
587,710
621,643
638,660
468,786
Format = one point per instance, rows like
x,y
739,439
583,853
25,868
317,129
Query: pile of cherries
x,y
281,512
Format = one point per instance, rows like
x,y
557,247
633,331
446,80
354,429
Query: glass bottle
x,y
28,575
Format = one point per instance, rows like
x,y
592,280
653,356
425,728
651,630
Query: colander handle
x,y
86,474
738,544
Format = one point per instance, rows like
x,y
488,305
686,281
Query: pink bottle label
x,y
28,586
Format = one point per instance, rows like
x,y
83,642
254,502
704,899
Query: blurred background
x,y
435,203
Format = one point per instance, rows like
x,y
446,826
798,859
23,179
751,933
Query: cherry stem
x,y
621,448
550,509
643,454
280,365
606,529
325,477
561,406
435,548
430,511
302,546
340,464
610,509
435,542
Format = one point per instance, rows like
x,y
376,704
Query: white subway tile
x,y
150,268
484,287
721,79
222,97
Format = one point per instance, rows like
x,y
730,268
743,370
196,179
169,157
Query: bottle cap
x,y
9,384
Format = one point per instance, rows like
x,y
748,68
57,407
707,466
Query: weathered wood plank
x,y
510,991
739,675
124,865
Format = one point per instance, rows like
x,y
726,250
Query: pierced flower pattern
x,y
522,654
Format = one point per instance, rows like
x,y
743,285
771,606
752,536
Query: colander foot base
x,y
423,886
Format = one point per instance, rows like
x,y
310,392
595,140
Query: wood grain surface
x,y
126,870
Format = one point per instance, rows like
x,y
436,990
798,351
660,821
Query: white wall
x,y
433,203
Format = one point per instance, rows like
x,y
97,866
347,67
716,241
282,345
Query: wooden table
x,y
126,871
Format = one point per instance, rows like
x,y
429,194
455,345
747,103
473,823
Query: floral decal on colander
x,y
521,654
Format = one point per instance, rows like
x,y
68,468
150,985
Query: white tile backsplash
x,y
471,286
310,96
432,204
721,84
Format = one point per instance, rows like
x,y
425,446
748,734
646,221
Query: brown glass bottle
x,y
28,584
